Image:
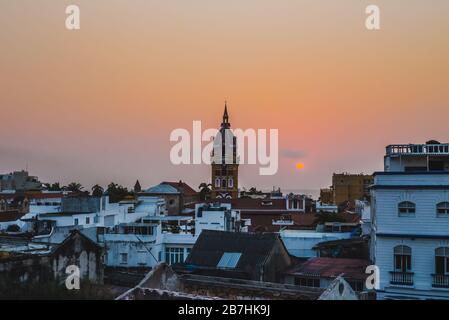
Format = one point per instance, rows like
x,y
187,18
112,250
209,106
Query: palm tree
x,y
74,187
53,186
204,190
97,190
117,192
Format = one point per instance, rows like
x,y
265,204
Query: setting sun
x,y
300,165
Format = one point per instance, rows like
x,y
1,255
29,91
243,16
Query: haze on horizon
x,y
98,105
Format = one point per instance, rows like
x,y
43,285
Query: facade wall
x,y
43,268
218,176
423,266
425,219
350,187
423,231
137,254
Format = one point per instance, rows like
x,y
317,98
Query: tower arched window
x,y
217,182
231,183
406,208
223,183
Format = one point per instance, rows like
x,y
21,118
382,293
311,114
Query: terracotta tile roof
x,y
263,221
253,204
9,216
183,187
31,195
332,268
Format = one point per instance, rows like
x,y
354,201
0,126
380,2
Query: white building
x,y
363,208
410,222
323,207
218,216
160,238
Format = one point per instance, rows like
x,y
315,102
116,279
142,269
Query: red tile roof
x,y
182,187
263,221
331,268
9,216
31,195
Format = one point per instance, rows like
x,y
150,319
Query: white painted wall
x,y
424,223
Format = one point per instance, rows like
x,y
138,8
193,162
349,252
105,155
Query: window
x,y
231,183
406,208
223,183
123,258
141,257
76,222
229,260
443,209
307,282
174,255
87,220
217,182
402,259
442,260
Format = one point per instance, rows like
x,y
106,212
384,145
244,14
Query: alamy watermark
x,y
73,277
372,21
261,146
372,282
73,17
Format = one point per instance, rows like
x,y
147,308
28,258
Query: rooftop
x,y
212,245
332,268
162,189
429,148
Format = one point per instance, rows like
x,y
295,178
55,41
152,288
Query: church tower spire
x,y
225,124
224,162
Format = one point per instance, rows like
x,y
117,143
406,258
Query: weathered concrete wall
x,y
76,250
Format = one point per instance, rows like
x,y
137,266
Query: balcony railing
x,y
418,149
401,278
440,281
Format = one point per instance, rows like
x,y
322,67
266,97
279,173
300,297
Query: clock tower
x,y
224,162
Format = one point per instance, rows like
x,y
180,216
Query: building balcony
x,y
401,278
440,281
418,149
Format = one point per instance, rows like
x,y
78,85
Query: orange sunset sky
x,y
98,105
